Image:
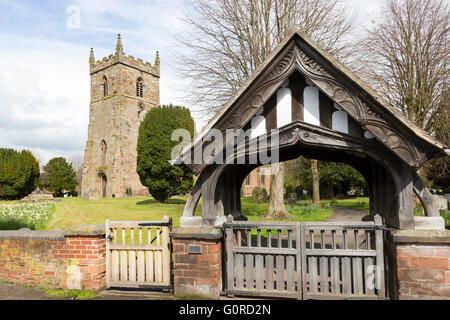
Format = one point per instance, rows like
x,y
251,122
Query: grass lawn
x,y
73,211
301,212
360,203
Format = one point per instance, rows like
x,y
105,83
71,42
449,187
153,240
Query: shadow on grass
x,y
153,201
15,225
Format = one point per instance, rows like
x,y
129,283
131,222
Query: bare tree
x,y
76,159
315,182
406,58
226,40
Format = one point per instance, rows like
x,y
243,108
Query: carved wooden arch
x,y
304,139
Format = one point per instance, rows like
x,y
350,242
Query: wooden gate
x,y
305,260
138,254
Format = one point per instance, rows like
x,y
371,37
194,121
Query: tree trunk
x,y
277,210
315,182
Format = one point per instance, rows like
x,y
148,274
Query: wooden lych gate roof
x,y
297,52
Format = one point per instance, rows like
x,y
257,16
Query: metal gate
x,y
138,254
306,260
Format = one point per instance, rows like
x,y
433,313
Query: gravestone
x,y
259,195
292,200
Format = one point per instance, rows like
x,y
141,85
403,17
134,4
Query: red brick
x,y
422,289
179,248
214,249
184,280
415,251
441,252
201,273
196,259
422,263
178,273
425,276
207,281
403,262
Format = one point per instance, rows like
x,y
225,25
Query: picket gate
x,y
305,260
138,254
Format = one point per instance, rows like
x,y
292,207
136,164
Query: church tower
x,y
123,89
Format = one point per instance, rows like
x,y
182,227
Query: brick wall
x,y
197,273
422,266
71,259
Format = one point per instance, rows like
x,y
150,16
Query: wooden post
x,y
303,258
298,246
108,255
229,249
380,258
166,253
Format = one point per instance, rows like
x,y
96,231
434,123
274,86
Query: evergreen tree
x,y
154,150
58,176
19,173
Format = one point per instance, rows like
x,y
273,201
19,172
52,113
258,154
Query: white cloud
x,y
44,92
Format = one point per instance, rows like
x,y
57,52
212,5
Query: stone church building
x,y
123,89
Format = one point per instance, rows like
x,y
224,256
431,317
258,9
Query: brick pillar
x,y
421,261
197,261
86,250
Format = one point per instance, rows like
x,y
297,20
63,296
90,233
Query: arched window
x,y
103,148
140,87
105,86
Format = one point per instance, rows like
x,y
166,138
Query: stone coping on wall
x,y
83,230
196,233
421,236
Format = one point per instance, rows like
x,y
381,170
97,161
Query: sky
x,y
44,70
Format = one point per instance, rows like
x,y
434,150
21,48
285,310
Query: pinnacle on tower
x,y
91,57
157,61
119,48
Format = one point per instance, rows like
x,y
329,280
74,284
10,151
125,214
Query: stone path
x,y
342,214
10,291
17,292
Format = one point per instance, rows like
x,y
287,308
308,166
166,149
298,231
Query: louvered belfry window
x,y
140,87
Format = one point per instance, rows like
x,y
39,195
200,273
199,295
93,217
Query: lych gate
x,y
321,111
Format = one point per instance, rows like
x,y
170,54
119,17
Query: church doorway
x,y
102,181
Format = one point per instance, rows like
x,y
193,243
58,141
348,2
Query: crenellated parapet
x,y
121,57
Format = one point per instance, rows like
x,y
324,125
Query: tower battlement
x,y
120,57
